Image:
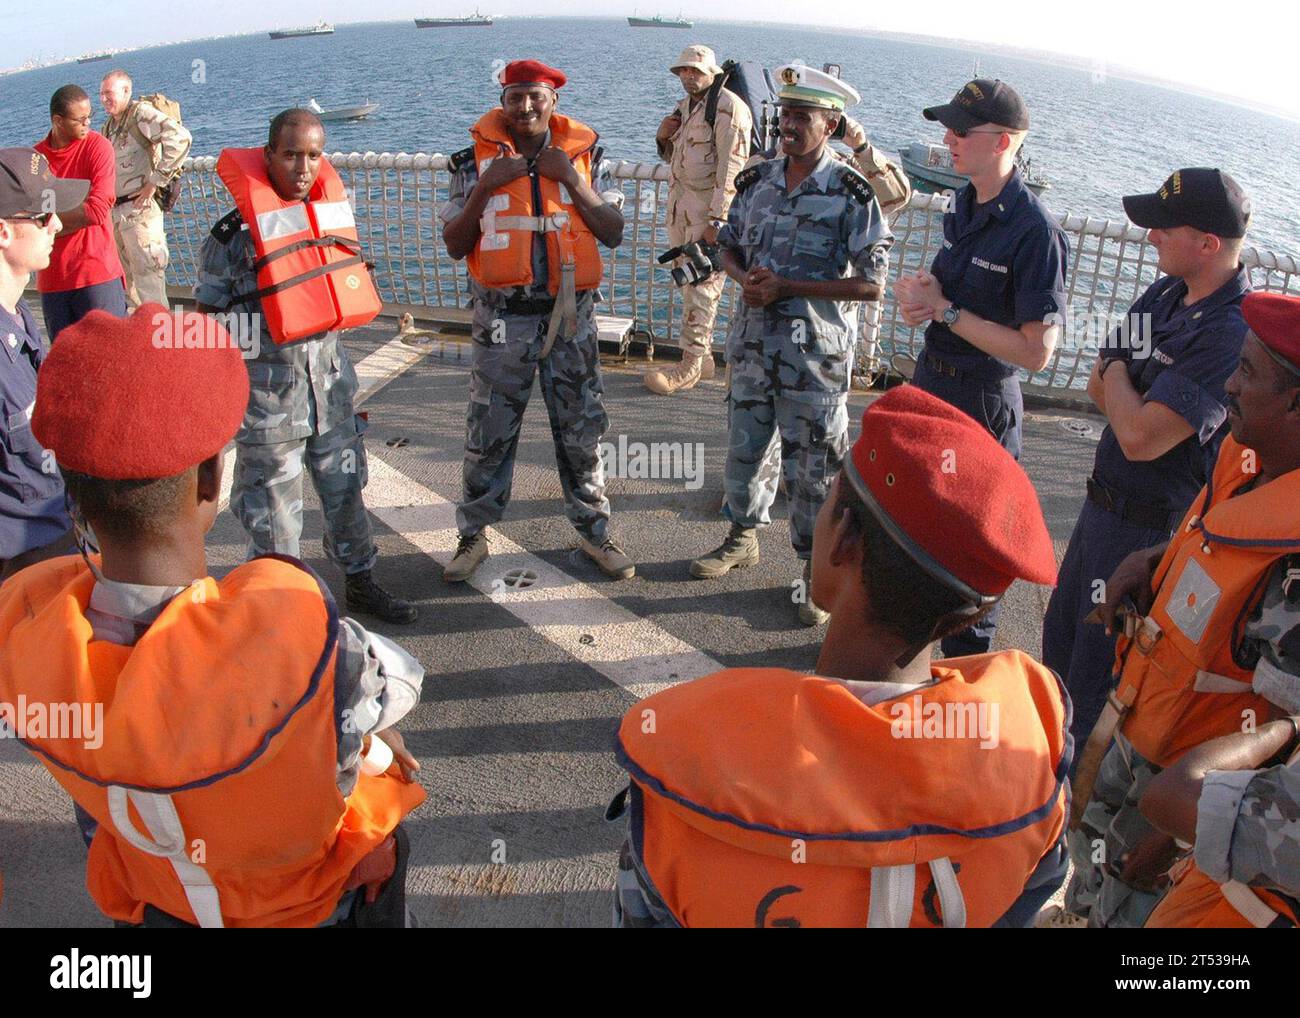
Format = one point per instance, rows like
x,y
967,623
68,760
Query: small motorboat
x,y
930,166
342,113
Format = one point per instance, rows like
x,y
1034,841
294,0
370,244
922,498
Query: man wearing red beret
x,y
1209,644
232,765
887,789
529,201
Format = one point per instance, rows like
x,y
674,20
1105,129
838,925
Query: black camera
x,y
701,262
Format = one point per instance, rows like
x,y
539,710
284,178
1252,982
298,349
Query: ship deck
x,y
524,689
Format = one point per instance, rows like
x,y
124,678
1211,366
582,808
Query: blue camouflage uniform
x,y
1134,505
300,415
1113,822
32,512
508,331
791,361
1004,261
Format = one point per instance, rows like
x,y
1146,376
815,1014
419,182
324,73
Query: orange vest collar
x,y
572,136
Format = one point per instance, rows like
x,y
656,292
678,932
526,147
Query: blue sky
x,y
1249,57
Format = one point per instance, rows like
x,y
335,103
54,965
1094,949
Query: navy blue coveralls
x,y
1004,261
32,512
1134,505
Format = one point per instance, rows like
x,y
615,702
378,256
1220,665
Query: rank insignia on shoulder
x,y
457,160
227,226
856,184
745,178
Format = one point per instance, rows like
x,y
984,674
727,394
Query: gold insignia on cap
x,y
790,75
1177,181
975,90
36,163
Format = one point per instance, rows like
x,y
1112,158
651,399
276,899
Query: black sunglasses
x,y
968,132
41,219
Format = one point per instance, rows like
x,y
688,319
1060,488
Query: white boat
x,y
931,165
340,113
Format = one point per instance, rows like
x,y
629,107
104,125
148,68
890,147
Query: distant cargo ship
x,y
658,22
475,20
90,58
324,28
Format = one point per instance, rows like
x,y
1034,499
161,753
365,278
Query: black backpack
x,y
752,83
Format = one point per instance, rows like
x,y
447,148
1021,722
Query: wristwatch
x,y
950,315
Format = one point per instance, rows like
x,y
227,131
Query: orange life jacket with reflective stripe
x,y
217,757
764,797
311,274
1180,675
503,257
1197,901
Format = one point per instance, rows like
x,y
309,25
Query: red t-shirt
x,y
88,256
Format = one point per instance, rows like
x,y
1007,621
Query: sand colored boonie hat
x,y
699,57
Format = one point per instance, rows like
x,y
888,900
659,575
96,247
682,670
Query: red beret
x,y
941,483
531,72
1275,319
141,397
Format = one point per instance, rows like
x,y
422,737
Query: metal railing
x,y
397,199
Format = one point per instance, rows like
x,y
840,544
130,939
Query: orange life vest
x,y
214,779
1198,902
311,275
503,258
1179,675
764,797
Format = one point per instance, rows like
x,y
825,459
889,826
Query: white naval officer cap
x,y
801,85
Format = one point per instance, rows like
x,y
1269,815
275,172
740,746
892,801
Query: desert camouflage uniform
x,y
791,361
507,350
1112,817
300,414
705,160
141,238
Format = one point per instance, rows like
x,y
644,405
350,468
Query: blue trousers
x,y
67,307
998,405
1080,652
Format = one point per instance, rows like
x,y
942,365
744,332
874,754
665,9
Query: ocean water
x,y
1095,140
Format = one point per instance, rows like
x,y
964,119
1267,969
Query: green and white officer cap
x,y
803,86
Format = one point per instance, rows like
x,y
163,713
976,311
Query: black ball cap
x,y
29,187
1205,199
982,101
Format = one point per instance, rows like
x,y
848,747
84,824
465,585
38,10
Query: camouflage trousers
x,y
142,249
1112,826
700,302
814,438
267,494
507,358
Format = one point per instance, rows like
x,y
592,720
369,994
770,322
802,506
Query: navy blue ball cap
x,y
29,187
982,101
1205,199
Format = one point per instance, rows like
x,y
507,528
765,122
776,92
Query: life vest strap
x,y
1248,904
892,894
303,277
1112,715
164,825
329,240
952,903
565,312
553,223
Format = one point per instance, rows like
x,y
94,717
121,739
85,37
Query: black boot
x,y
365,595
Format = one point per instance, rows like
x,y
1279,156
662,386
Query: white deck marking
x,y
630,651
